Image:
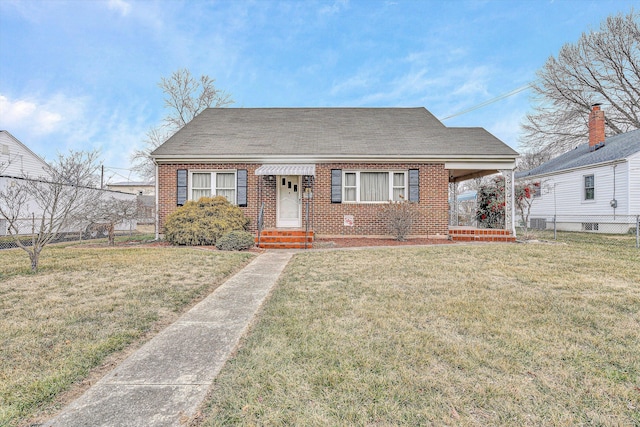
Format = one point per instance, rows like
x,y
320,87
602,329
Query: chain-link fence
x,y
72,232
613,229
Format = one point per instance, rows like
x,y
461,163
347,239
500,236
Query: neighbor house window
x,y
209,184
589,187
374,187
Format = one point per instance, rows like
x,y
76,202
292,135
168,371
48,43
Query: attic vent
x,y
5,149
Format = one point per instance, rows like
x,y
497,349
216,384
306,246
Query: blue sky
x,y
83,74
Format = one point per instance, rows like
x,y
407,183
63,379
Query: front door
x,y
289,210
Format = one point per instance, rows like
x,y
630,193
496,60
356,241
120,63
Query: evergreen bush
x,y
203,222
236,240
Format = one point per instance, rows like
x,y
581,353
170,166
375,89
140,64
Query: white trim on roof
x,y
282,169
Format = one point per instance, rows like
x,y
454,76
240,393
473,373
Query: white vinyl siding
x,y
17,160
374,186
209,184
563,193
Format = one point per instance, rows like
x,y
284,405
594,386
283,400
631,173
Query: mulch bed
x,y
361,242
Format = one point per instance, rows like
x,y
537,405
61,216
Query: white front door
x,y
289,210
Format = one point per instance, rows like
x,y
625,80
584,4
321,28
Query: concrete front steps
x,y
469,234
285,239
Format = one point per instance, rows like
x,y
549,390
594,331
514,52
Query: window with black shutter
x,y
336,185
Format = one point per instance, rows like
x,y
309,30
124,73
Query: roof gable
x,y
616,147
326,133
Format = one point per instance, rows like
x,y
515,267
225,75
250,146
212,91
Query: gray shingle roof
x,y
325,133
616,147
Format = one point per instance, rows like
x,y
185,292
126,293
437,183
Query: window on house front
x,y
209,184
374,187
589,187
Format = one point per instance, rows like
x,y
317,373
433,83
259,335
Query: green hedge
x,y
203,222
236,240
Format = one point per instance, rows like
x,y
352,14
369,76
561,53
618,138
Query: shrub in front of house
x,y
203,222
400,217
237,240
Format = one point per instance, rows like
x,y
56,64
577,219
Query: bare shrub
x,y
400,217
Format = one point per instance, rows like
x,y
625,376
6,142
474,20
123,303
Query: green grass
x,y
460,335
84,305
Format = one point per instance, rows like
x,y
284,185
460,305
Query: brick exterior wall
x,y
326,218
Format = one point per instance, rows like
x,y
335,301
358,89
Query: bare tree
x,y
532,159
602,67
525,193
185,98
58,198
107,212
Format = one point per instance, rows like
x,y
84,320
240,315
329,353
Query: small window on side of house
x,y
589,187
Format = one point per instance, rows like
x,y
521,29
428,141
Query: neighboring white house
x,y
16,159
594,187
19,163
139,188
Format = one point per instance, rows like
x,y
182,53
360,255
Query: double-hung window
x,y
374,187
589,187
209,184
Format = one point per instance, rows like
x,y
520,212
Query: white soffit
x,y
280,169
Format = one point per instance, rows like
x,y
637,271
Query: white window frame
x,y
357,186
584,188
213,182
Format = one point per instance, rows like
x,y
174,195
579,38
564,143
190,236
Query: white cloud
x,y
120,6
41,119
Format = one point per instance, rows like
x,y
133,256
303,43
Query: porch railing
x,y
260,222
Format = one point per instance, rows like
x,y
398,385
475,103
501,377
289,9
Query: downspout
x,y
157,213
614,202
513,203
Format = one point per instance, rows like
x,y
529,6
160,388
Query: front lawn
x,y
460,335
86,304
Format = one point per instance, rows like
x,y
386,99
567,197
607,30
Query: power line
x,y
491,101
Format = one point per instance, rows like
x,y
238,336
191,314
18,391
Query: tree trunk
x,y
34,256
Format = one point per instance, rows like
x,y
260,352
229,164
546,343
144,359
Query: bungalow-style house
x,y
594,187
325,171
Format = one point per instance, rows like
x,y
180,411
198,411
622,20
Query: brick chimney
x,y
596,126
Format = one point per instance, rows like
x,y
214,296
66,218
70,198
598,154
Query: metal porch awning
x,y
282,169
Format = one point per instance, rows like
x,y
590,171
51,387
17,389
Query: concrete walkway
x,y
164,382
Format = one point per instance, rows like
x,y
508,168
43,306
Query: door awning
x,y
280,169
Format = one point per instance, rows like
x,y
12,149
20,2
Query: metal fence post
x,y
637,231
555,230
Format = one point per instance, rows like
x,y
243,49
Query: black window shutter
x,y
182,187
242,187
414,185
336,185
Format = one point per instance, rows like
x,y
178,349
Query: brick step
x,y
286,233
479,232
286,239
483,238
267,245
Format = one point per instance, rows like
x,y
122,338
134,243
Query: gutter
x,y
577,168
